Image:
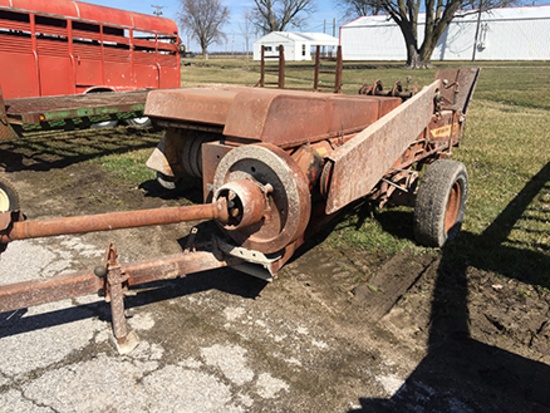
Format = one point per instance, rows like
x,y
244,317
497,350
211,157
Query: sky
x,y
321,20
326,10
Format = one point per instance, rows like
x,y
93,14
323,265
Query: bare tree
x,y
278,15
405,13
203,20
359,8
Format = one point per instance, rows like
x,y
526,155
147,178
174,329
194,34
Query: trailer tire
x,y
440,203
9,198
141,122
106,124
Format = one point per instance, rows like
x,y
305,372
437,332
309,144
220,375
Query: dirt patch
x,y
458,338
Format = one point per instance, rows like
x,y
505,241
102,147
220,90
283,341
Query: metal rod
x,y
114,220
281,67
61,287
317,65
339,68
262,68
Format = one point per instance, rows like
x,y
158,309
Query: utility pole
x,y
334,27
477,29
158,9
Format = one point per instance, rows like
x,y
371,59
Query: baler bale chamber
x,y
275,166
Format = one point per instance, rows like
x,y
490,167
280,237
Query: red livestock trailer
x,y
65,47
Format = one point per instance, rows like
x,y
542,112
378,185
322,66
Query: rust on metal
x,y
458,87
339,68
60,287
115,290
288,207
281,76
205,105
317,69
453,206
375,149
246,202
36,292
115,220
6,131
281,117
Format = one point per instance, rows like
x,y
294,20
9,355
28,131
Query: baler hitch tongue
x,y
238,204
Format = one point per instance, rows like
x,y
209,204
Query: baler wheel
x,y
9,198
440,203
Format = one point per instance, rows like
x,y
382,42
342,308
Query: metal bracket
x,y
254,257
115,291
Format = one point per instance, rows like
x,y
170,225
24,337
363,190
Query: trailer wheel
x,y
440,203
9,198
105,124
142,122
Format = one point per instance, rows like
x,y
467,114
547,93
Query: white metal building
x,y
297,46
516,33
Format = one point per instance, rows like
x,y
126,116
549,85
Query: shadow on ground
x,y
226,280
58,149
460,374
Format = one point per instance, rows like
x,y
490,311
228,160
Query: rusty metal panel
x,y
205,105
281,117
289,118
360,164
212,154
460,88
274,116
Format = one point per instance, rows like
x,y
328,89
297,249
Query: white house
x,y
515,33
297,46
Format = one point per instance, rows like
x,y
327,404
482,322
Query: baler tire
x,y
166,182
9,198
440,203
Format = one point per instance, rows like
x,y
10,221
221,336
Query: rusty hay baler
x,y
275,166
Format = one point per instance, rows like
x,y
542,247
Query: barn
x,y
297,46
513,33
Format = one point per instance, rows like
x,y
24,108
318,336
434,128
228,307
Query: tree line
x,y
204,19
